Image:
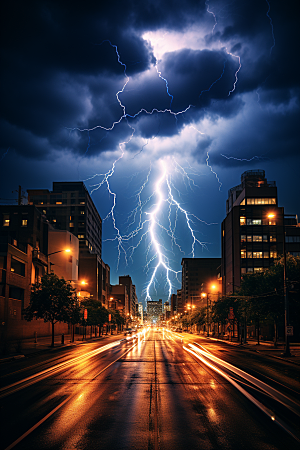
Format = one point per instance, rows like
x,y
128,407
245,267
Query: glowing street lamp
x,y
66,250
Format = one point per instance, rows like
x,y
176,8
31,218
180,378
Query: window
x,y
273,254
242,220
243,254
17,267
257,255
261,201
249,254
24,222
249,238
6,220
80,236
257,238
81,212
258,269
272,238
242,202
243,238
250,269
71,224
58,203
266,254
265,238
243,270
292,238
253,221
16,293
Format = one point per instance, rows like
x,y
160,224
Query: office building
x,y
199,275
70,207
252,233
154,310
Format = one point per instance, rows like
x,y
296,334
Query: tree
x,y
265,290
97,313
198,316
53,300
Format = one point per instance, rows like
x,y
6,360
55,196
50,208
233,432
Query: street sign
x,y
85,314
290,330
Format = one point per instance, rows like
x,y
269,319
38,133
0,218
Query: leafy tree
x,y
116,317
266,294
53,300
198,316
97,313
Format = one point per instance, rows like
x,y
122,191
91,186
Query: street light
x,y
66,250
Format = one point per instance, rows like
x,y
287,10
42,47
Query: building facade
x,y
253,231
154,310
199,275
69,207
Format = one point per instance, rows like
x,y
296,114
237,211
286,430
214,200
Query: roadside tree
x,y
53,300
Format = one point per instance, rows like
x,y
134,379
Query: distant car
x,y
128,331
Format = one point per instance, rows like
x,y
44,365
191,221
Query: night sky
x,y
173,100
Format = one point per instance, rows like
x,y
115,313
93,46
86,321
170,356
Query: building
x,y
130,306
180,304
252,233
199,275
118,298
154,310
69,207
25,241
173,304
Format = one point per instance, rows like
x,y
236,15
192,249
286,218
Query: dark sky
x,y
172,100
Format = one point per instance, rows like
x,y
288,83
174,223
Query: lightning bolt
x,y
272,28
148,221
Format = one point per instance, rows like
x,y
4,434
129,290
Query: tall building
x,y
198,276
154,310
130,306
69,207
253,230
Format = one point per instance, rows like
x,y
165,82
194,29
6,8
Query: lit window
x,y
249,238
253,221
58,203
242,220
243,270
80,236
243,238
82,203
242,202
265,238
249,254
272,238
271,222
24,222
257,255
243,254
257,238
6,220
250,269
54,220
71,224
41,203
273,254
258,269
81,212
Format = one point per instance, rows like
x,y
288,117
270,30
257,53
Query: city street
x,y
155,390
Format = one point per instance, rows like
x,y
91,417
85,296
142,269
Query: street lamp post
x,y
67,250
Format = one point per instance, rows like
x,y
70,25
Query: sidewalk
x,y
26,347
266,348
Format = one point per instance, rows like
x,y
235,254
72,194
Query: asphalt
x,y
43,344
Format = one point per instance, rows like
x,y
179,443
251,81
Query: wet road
x,y
154,392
